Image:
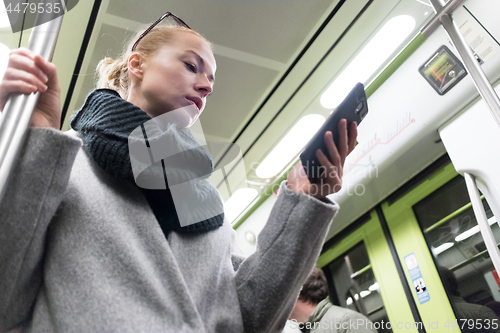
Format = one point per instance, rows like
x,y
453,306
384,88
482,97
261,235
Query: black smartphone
x,y
353,108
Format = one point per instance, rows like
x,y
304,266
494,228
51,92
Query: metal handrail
x,y
450,216
361,271
472,259
482,221
441,10
14,120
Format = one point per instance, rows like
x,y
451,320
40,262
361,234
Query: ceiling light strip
x,y
441,248
373,55
472,231
238,202
290,146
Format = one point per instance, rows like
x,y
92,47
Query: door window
x,y
353,285
452,234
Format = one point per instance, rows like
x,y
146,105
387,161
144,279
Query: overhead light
x,y
4,18
364,293
291,145
373,55
441,248
250,237
374,287
4,57
472,231
348,301
356,297
238,202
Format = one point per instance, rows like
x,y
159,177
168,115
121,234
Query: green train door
x,y
434,228
362,276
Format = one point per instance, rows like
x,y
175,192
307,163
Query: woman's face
x,y
179,76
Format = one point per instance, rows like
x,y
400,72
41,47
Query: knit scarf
x,y
175,185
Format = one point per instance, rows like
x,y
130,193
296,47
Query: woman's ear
x,y
135,65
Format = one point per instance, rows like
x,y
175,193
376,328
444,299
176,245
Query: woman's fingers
x,y
18,78
332,149
343,145
23,50
332,168
48,69
22,74
27,73
28,63
331,181
18,86
353,134
18,82
331,178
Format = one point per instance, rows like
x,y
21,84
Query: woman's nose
x,y
204,85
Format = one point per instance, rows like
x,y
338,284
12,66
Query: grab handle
x,y
482,221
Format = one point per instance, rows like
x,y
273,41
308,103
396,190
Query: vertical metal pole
x,y
478,77
16,115
482,221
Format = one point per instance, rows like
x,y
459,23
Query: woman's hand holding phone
x,y
331,178
28,73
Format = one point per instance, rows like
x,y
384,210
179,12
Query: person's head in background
x,y
170,68
314,290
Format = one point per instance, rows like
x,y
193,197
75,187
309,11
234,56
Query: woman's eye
x,y
191,67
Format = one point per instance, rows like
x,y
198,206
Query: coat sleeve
x,y
31,198
355,323
268,282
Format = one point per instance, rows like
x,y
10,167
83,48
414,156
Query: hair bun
x,y
113,75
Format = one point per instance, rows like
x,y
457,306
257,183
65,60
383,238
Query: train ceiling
x,y
274,57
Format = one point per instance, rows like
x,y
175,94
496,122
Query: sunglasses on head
x,y
163,17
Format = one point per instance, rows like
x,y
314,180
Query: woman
x,y
84,249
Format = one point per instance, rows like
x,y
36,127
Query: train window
x,y
353,285
467,273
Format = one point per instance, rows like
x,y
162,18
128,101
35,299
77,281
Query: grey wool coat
x,y
81,251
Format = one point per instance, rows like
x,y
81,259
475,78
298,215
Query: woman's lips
x,y
196,101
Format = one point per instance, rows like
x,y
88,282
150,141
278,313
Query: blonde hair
x,y
113,74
